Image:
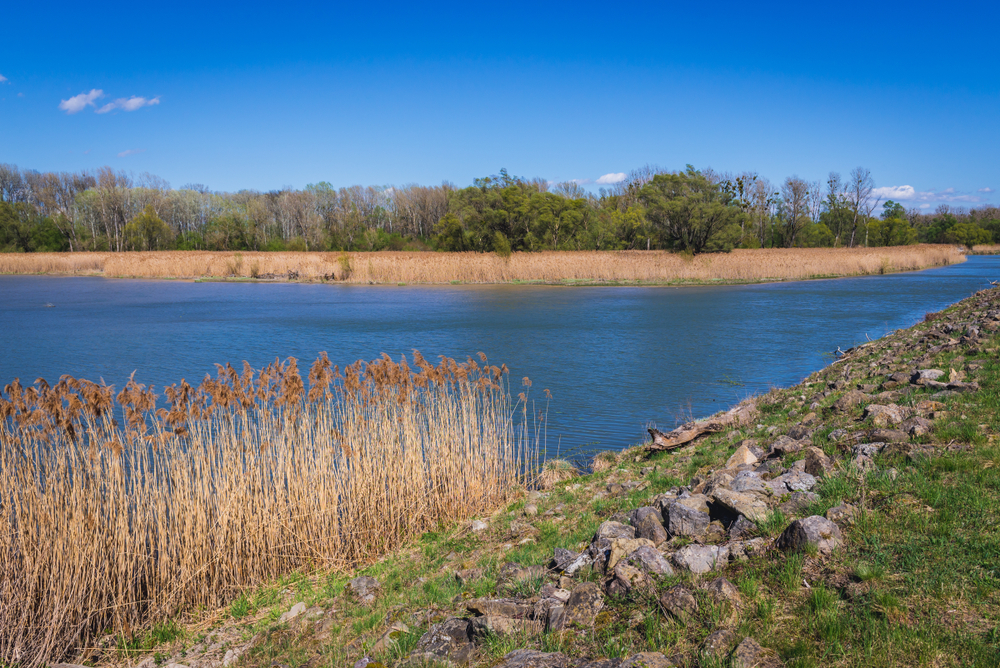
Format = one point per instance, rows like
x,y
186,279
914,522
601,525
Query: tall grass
x,y
427,267
115,513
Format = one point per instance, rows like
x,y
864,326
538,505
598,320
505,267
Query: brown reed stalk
x,y
115,513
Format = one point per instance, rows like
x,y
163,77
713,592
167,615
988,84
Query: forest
x,y
688,210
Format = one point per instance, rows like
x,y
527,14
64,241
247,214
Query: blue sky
x,y
263,96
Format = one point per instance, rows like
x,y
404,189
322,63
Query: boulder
x,y
652,530
679,603
793,481
724,591
750,506
364,589
585,601
784,445
885,416
867,449
917,426
849,400
649,560
683,520
798,503
608,533
742,527
530,658
449,643
505,626
646,660
749,654
627,579
920,376
814,531
718,643
742,456
750,482
562,558
888,435
622,548
842,514
817,462
701,558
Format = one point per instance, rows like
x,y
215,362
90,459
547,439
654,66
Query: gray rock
x,y
562,558
478,526
585,601
364,589
793,481
742,527
636,517
867,449
529,658
683,520
449,642
917,426
504,626
701,558
798,503
649,560
607,534
922,375
750,506
784,445
648,660
718,643
749,481
885,416
679,603
842,514
849,400
888,435
814,531
862,463
627,579
295,611
817,462
651,528
724,591
749,654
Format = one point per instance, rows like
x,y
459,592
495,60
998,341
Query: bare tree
x,y
858,192
795,203
762,197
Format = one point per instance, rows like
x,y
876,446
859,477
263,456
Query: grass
x,y
559,267
120,514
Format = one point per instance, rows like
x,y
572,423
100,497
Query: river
x,y
615,359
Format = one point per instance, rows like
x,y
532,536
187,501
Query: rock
x,y
467,575
501,607
743,455
628,579
503,626
849,400
798,503
920,376
917,426
478,526
529,658
649,560
679,603
784,445
741,550
449,642
652,530
624,547
701,558
231,657
927,406
742,527
862,464
639,514
750,482
817,462
644,660
721,480
364,589
683,520
606,534
562,558
814,531
749,654
793,481
867,449
748,505
392,635
888,435
531,509
585,601
885,416
725,591
296,610
718,643
842,514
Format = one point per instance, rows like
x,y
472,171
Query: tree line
x,y
686,210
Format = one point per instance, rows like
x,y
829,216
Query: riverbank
x,y
845,521
548,267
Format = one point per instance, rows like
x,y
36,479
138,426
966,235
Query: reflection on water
x,y
615,359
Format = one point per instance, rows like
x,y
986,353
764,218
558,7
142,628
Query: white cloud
x,y
895,192
131,151
82,101
580,182
926,197
3,79
129,104
608,179
985,190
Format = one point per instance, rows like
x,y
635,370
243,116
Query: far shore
x,y
621,268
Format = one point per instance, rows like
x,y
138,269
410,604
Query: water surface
x,y
615,359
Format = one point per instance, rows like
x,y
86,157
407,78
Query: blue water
x,y
615,359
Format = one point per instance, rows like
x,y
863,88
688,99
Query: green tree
x,y
689,210
146,232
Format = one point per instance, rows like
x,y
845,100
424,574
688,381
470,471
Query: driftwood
x,y
688,432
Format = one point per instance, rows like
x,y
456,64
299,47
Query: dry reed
x,y
388,267
115,513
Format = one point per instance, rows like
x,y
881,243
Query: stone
x,y
862,464
718,643
530,658
817,462
364,589
885,416
867,449
798,503
701,558
917,426
721,480
749,654
503,626
562,558
679,603
724,591
888,435
639,514
742,527
793,481
848,401
624,547
920,376
652,530
627,579
531,509
501,607
814,531
295,611
842,514
478,526
645,660
649,560
449,642
607,533
784,445
683,520
748,505
585,601
743,455
749,481
742,550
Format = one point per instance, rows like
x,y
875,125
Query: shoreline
x,y
554,268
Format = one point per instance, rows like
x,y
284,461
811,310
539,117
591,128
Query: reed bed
x,y
388,267
985,249
116,513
